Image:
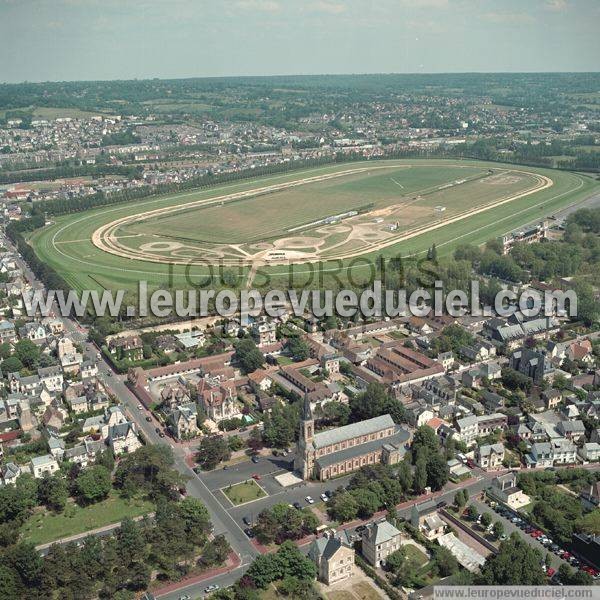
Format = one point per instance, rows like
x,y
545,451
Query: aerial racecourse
x,y
331,214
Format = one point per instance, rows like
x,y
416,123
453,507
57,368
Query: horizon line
x,y
294,75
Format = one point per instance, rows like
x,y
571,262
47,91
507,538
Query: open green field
x,y
244,492
45,526
176,241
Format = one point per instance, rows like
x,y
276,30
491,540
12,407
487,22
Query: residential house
x,y
589,452
504,488
51,377
35,332
334,558
190,340
8,334
552,398
264,332
123,439
260,380
467,429
40,465
218,399
88,369
425,518
379,540
184,420
533,363
572,430
479,351
490,456
476,377
57,447
10,472
128,347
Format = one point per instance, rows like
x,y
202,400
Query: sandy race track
x,y
302,248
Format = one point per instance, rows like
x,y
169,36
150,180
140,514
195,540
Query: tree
x,y
590,523
9,584
514,380
195,519
216,551
367,502
248,356
374,402
498,529
459,499
255,442
405,476
53,492
298,348
437,471
235,443
472,512
211,451
425,442
343,507
131,546
93,484
150,470
517,563
27,352
420,476
486,519
445,561
280,426
12,365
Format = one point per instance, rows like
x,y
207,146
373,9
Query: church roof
x,y
347,432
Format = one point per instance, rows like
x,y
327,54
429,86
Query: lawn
x,y
284,360
45,526
355,591
413,552
247,491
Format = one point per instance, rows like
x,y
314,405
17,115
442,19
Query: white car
x,y
324,497
140,407
309,500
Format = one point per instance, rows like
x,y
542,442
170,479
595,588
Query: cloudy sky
x,y
50,40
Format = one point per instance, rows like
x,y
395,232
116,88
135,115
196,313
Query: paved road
x,y
221,519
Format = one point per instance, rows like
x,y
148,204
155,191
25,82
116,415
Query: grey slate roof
x,y
382,532
398,439
341,434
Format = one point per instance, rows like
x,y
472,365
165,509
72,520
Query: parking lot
x,y
513,522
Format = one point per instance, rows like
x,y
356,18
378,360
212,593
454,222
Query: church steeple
x,y
308,421
307,410
305,452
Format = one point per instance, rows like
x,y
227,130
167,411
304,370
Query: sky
x,y
63,40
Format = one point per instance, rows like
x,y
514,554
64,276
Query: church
x,y
340,451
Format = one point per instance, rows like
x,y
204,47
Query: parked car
x,y
309,500
211,588
247,520
249,532
254,459
550,572
297,505
256,476
324,497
